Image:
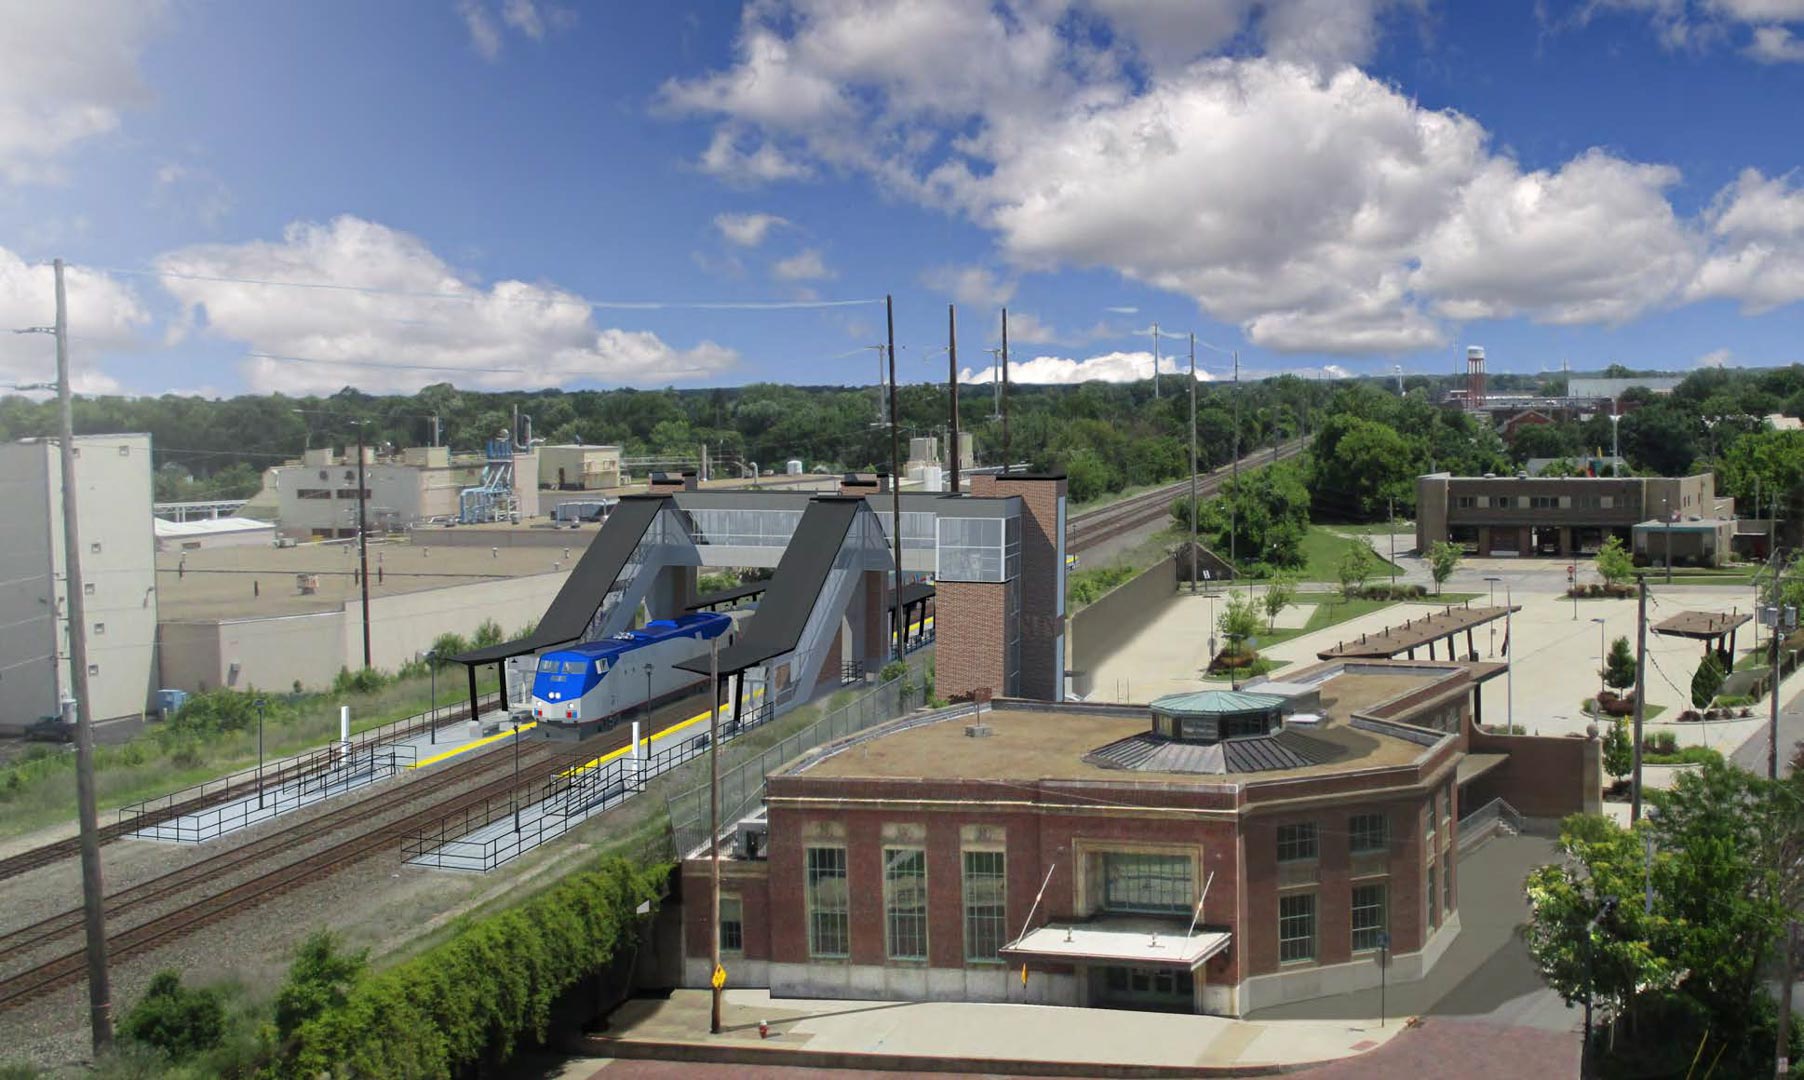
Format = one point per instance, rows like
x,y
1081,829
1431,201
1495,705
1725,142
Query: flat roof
x,y
209,526
216,583
1049,742
1702,625
1416,633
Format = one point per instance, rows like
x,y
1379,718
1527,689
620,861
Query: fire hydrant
x,y
764,1029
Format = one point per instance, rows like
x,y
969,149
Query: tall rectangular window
x,y
1432,921
1156,884
1368,916
732,923
1446,883
986,904
1296,927
1367,833
1296,842
905,903
829,913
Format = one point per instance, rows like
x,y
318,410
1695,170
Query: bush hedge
x,y
470,1000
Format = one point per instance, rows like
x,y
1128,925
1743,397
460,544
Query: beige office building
x,y
113,499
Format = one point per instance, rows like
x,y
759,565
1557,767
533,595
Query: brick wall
x,y
1546,776
968,629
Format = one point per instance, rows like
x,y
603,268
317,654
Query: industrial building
x,y
1564,516
213,532
579,467
1214,852
318,498
113,498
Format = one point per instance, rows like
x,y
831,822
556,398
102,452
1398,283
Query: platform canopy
x,y
1700,625
1128,942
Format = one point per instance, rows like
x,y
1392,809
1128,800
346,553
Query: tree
x,y
1360,465
1613,563
1355,568
1238,622
1619,750
319,979
179,1021
1260,518
1443,560
1706,681
1280,593
1620,669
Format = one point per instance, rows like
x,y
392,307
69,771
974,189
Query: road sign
x,y
720,977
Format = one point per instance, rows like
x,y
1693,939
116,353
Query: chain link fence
x,y
742,788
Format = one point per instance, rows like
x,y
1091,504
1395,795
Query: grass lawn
x,y
1376,528
38,789
1323,551
1736,579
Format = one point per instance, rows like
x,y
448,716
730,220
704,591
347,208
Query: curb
x,y
737,1052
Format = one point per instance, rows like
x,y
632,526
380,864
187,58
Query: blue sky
x,y
1325,185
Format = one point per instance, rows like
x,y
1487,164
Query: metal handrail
x,y
372,763
1481,823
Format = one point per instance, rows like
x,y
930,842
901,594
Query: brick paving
x,y
1467,1049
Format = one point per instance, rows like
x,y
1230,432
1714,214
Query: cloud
x,y
1776,45
804,265
1319,209
104,315
1756,227
1716,358
1123,310
192,192
747,230
1115,367
67,73
427,324
977,286
529,18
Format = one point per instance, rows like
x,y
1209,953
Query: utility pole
x,y
1640,692
1155,361
363,544
1193,507
716,976
895,473
952,384
1233,523
1783,1066
1005,445
100,1004
1393,512
1778,630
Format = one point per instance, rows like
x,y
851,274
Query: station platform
x,y
359,768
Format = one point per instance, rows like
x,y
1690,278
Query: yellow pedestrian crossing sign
x,y
1023,976
720,977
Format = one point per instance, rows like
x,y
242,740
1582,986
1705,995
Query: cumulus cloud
x,y
1757,257
1700,24
1116,367
1316,207
67,73
104,314
1776,45
804,265
1716,358
747,230
407,320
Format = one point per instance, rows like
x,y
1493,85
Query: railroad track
x,y
45,854
71,967
30,938
1116,519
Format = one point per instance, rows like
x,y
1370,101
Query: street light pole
x,y
1600,665
516,799
1492,623
363,543
432,714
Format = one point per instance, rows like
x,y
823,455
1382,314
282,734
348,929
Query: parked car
x,y
50,729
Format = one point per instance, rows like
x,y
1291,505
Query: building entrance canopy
x,y
1131,942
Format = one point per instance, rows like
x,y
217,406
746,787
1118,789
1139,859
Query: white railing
x,y
1487,821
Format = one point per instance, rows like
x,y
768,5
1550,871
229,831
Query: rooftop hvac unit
x,y
751,839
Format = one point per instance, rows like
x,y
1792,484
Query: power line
x,y
568,300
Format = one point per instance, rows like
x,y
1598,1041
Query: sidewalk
x,y
966,1037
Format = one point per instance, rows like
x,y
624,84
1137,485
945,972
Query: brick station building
x,y
937,856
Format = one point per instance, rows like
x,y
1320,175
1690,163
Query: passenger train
x,y
581,689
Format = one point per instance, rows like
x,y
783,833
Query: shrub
x,y
489,633
1733,701
319,979
1659,742
1707,681
469,1000
1619,751
361,681
1690,755
1088,586
179,1021
445,646
895,669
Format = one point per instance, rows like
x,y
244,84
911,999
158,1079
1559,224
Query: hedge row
x,y
468,1000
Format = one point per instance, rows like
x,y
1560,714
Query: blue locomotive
x,y
584,687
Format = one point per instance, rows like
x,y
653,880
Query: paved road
x,y
1752,754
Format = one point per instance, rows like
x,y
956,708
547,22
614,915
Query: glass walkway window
x,y
1153,884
